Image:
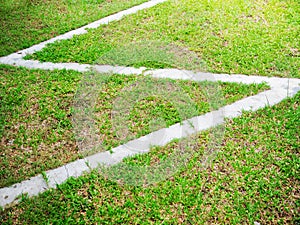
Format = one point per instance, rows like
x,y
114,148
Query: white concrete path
x,y
13,58
280,89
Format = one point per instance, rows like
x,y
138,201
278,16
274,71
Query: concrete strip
x,y
274,82
36,185
119,69
61,174
33,186
33,64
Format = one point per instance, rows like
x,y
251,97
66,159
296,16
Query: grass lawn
x,y
36,131
254,177
27,22
254,174
231,36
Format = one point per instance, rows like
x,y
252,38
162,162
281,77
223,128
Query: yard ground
x,y
28,22
254,174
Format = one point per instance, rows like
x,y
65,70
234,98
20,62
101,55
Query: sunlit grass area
x,y
36,127
27,22
232,36
245,171
254,177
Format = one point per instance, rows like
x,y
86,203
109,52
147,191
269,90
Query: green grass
x,y
232,36
27,22
36,110
35,127
254,177
254,172
140,107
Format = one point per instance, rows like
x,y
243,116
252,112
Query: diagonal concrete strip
x,y
281,88
83,30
